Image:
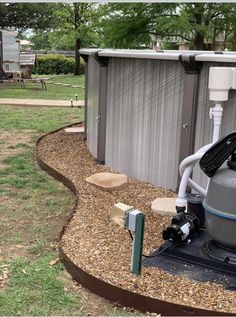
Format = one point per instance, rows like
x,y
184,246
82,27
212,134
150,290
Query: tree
x,y
133,25
229,26
21,16
78,21
54,24
40,40
205,21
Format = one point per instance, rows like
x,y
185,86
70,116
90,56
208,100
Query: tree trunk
x,y
234,41
199,37
77,57
213,45
199,42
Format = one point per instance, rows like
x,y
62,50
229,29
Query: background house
x,y
10,53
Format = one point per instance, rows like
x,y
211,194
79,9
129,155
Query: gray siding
x,y
204,125
93,100
144,109
11,51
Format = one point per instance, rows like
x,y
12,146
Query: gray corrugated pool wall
x,y
204,125
144,109
144,101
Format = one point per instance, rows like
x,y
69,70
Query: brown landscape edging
x,y
102,288
58,176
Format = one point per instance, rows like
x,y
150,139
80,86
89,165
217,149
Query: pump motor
x,y
182,226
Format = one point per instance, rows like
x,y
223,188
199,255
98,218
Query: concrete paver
x,y
74,129
107,181
164,206
40,102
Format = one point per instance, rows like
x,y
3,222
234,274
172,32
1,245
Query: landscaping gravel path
x,y
103,249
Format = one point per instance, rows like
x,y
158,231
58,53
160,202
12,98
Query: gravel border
x,y
99,247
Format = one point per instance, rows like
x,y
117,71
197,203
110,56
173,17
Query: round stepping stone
x,y
107,181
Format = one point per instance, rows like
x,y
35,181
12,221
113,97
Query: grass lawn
x,y
37,119
33,208
34,91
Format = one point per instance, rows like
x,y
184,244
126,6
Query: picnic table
x,y
42,81
24,81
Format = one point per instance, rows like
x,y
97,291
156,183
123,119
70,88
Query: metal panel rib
x,y
92,110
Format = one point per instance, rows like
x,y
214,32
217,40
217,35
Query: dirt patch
x,y
9,142
2,166
97,245
12,138
12,251
90,304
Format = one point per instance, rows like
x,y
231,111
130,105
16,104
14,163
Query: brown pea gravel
x,y
100,247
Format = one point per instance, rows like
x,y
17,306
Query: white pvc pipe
x,y
197,187
221,79
185,170
187,165
192,159
216,112
184,181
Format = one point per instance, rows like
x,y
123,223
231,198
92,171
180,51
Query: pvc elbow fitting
x,y
180,202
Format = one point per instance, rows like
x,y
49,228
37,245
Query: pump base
x,y
220,253
191,260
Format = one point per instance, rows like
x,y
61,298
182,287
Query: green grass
x,y
37,119
33,208
54,92
34,289
36,196
22,173
32,203
67,79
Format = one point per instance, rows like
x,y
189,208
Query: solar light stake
x,y
76,97
71,103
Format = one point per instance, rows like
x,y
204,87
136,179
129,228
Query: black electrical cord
x,y
152,256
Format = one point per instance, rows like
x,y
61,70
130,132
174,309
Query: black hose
x,y
168,244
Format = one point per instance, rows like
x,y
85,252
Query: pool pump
x,y
203,232
182,226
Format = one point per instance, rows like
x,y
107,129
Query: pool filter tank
x,y
219,204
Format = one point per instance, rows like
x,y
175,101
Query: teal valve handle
x,y
136,261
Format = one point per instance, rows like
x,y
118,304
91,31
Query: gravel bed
x,y
100,247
